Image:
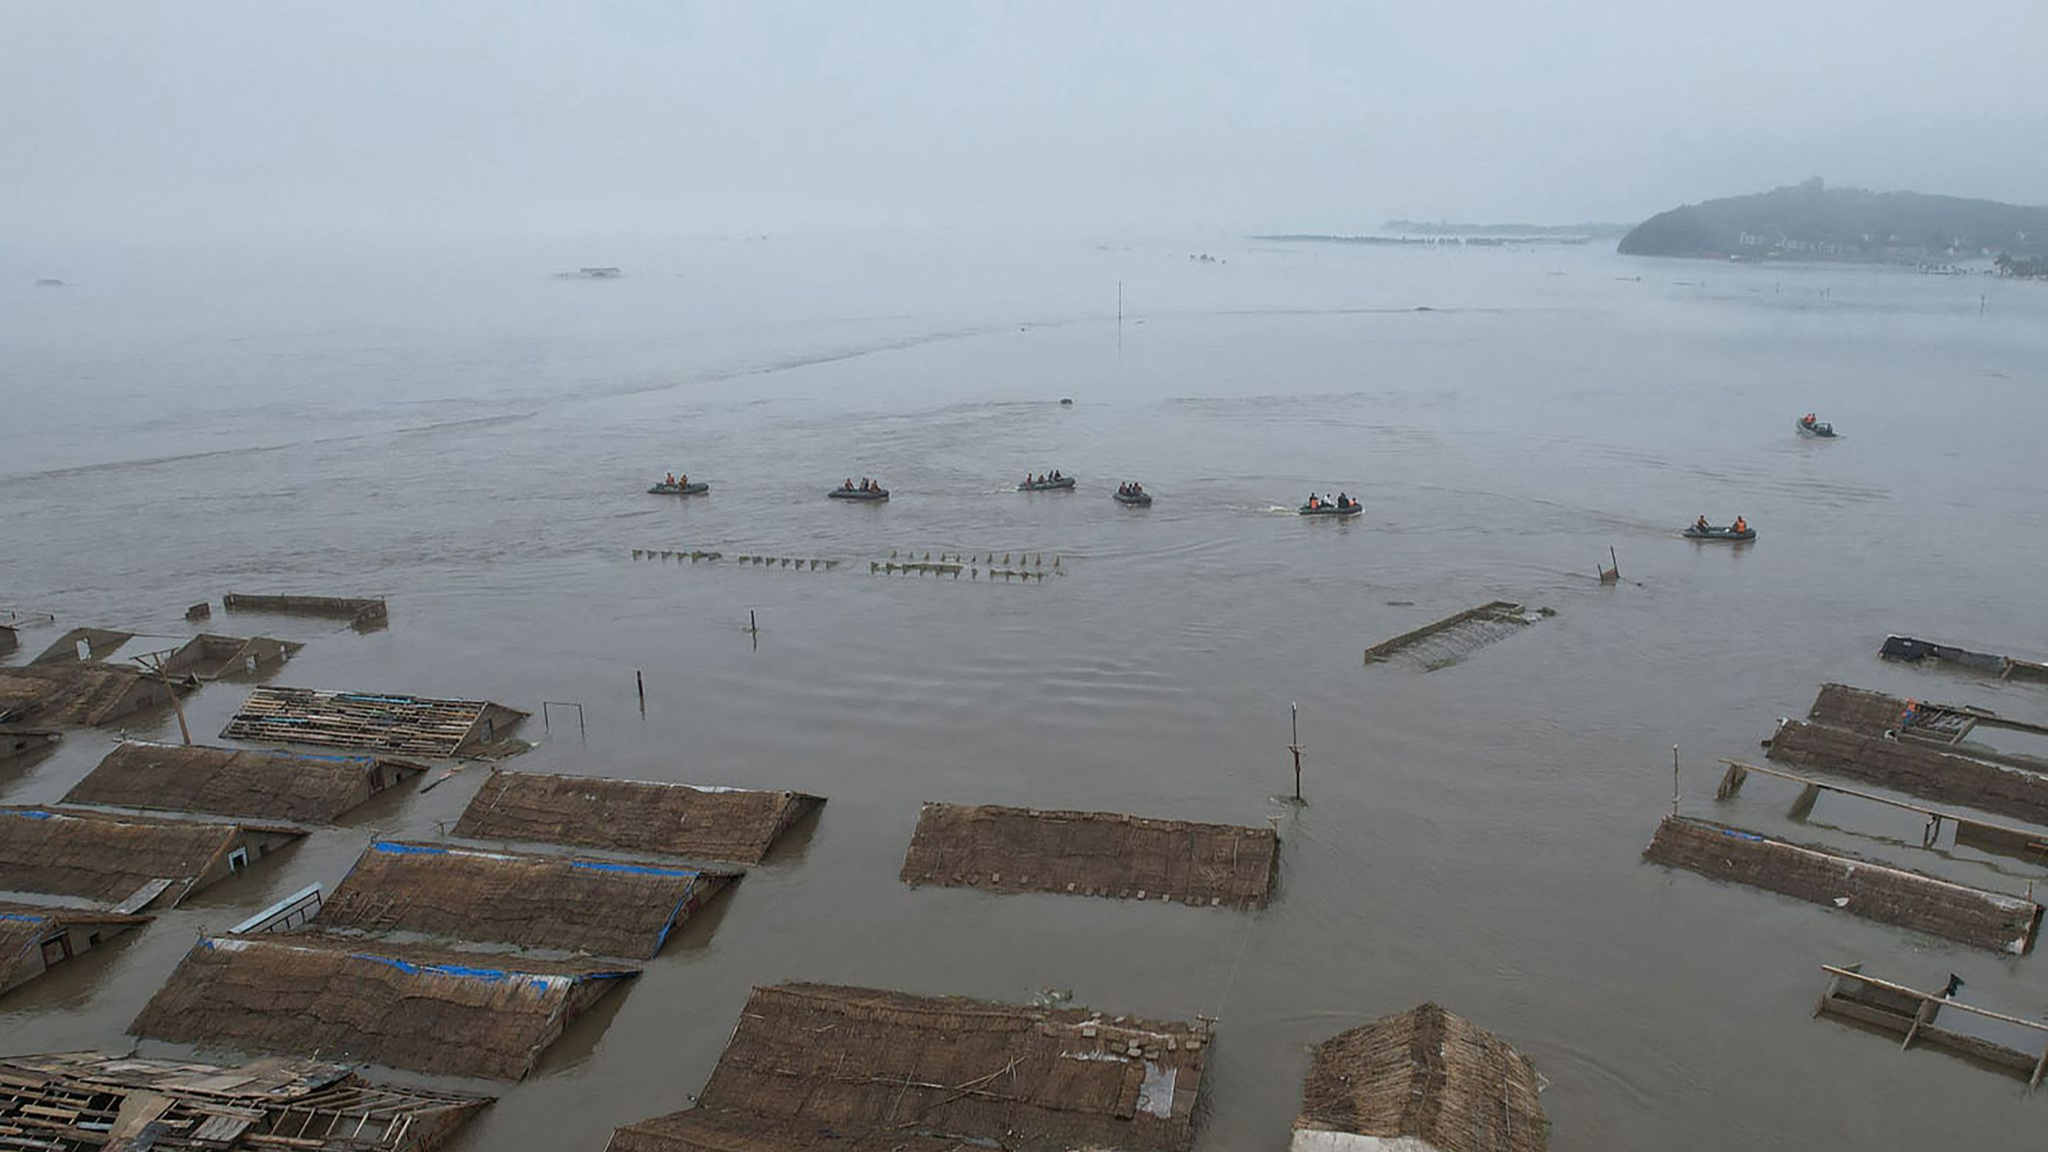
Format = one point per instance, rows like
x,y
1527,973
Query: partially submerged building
x,y
35,938
605,907
371,722
1911,1014
84,644
24,741
1914,767
687,820
404,1006
210,657
362,613
1092,854
130,862
1866,888
1424,1080
1912,651
80,1101
259,784
79,695
880,1071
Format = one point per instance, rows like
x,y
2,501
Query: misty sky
x,y
258,116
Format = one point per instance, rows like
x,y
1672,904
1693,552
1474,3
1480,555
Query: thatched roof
x,y
23,927
423,1009
688,820
1091,854
369,722
607,907
1424,1075
100,856
882,1070
235,781
81,1100
71,695
100,643
1867,888
1914,768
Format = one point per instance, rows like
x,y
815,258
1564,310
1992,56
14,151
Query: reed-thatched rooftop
x,y
1914,768
1866,888
254,783
405,1006
362,613
605,907
370,722
688,820
76,695
1424,1080
883,1070
1092,854
110,858
35,938
76,1101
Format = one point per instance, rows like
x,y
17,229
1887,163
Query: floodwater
x,y
460,433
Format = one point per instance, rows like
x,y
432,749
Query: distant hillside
x,y
1813,222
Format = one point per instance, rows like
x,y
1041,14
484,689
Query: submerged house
x,y
879,1071
77,694
127,861
371,722
1424,1080
687,820
259,784
35,938
77,1101
23,741
401,1005
1092,854
604,907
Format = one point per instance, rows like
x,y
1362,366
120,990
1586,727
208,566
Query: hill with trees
x,y
1811,221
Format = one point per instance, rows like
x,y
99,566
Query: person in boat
x,y
669,480
1701,524
1740,527
682,481
848,486
1343,501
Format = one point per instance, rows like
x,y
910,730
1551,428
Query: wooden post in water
x,y
640,683
1674,779
154,661
1294,746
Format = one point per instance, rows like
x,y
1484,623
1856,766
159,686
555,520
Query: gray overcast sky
x,y
134,120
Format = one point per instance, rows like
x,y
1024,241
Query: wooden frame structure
x,y
1911,1014
372,722
1970,831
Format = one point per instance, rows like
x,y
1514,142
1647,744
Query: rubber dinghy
x,y
1818,430
1047,485
1719,532
868,495
1134,499
1351,509
693,488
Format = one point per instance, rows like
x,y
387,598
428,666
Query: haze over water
x,y
455,430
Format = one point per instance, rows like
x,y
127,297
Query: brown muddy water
x,y
460,433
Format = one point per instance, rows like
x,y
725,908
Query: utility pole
x,y
154,662
1294,746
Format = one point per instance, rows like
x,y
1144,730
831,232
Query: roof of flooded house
x,y
367,721
70,694
1425,1075
885,1070
1868,888
1916,768
184,1106
604,907
405,1006
210,656
100,643
1091,854
687,820
23,928
257,783
108,857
